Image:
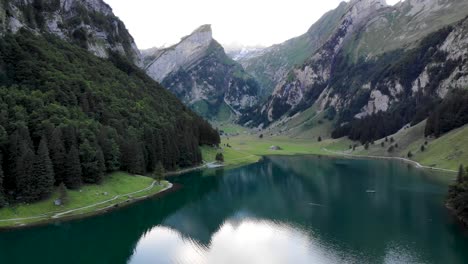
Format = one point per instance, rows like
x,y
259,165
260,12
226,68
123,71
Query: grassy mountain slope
x,y
404,24
447,152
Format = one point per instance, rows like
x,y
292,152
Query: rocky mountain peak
x,y
188,50
96,5
360,9
203,28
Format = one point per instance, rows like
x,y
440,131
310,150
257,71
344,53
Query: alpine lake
x,y
299,209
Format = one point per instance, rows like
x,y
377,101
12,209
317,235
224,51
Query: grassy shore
x,y
117,188
446,152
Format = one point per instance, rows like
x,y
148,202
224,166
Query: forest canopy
x,y
68,116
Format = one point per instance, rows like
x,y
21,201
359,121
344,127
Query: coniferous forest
x,y
69,117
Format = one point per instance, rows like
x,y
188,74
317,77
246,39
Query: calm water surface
x,y
281,210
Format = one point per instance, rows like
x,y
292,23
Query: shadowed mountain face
x,y
198,71
397,60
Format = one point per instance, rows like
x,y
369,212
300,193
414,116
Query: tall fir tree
x,y
101,163
58,155
89,164
26,186
2,191
110,149
133,158
158,172
461,175
13,155
43,170
73,167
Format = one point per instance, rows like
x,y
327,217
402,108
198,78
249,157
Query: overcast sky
x,y
155,23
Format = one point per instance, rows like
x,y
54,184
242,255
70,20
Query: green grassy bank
x,y
117,188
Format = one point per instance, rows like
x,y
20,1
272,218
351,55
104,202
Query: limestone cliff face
x,y
306,83
89,23
350,71
187,51
200,73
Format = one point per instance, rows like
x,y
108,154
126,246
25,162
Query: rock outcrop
x,y
89,23
359,76
198,71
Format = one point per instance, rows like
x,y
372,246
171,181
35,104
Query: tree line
x,y
69,117
450,114
404,66
457,199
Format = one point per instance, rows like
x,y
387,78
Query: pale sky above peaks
x,y
156,23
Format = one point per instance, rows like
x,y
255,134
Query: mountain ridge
x,y
322,78
198,71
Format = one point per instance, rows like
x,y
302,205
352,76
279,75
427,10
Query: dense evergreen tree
x,y
58,155
220,157
63,194
159,172
2,193
133,159
26,184
461,175
73,168
43,171
92,171
450,114
101,162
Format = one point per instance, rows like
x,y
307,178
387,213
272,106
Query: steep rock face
x,y
375,82
272,64
198,71
89,23
186,52
303,85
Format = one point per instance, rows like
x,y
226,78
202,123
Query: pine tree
x,y
43,171
460,175
63,194
159,172
110,148
112,156
13,155
73,167
89,164
58,155
220,157
2,193
26,186
101,163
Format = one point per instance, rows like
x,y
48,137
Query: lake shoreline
x,y
172,188
100,211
